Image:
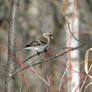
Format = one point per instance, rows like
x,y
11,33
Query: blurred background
x,y
36,17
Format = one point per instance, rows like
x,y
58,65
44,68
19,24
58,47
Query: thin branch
x,y
58,55
40,77
72,33
30,57
53,57
63,77
50,58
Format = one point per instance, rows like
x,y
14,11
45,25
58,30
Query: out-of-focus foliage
x,y
36,16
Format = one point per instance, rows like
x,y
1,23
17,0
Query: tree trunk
x,y
12,46
73,57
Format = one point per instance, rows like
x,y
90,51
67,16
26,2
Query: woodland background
x,y
34,17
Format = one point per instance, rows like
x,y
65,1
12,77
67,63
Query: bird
x,y
41,44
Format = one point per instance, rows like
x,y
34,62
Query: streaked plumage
x,y
41,44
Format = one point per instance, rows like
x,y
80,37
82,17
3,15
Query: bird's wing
x,y
43,40
35,44
40,42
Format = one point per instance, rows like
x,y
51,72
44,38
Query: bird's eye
x,y
50,35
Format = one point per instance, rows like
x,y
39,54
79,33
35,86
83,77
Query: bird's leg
x,y
38,53
45,50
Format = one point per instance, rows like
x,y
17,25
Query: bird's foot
x,y
38,53
45,50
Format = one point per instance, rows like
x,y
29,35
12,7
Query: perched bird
x,y
40,44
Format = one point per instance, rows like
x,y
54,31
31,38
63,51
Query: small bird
x,y
41,44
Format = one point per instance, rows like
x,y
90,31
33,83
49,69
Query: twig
x,y
32,56
53,57
72,33
35,72
58,55
63,77
55,49
50,58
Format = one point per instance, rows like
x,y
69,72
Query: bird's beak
x,y
51,37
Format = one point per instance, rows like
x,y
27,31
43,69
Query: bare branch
x,y
30,57
58,55
72,33
52,57
63,77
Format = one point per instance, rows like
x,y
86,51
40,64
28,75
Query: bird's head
x,y
48,35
